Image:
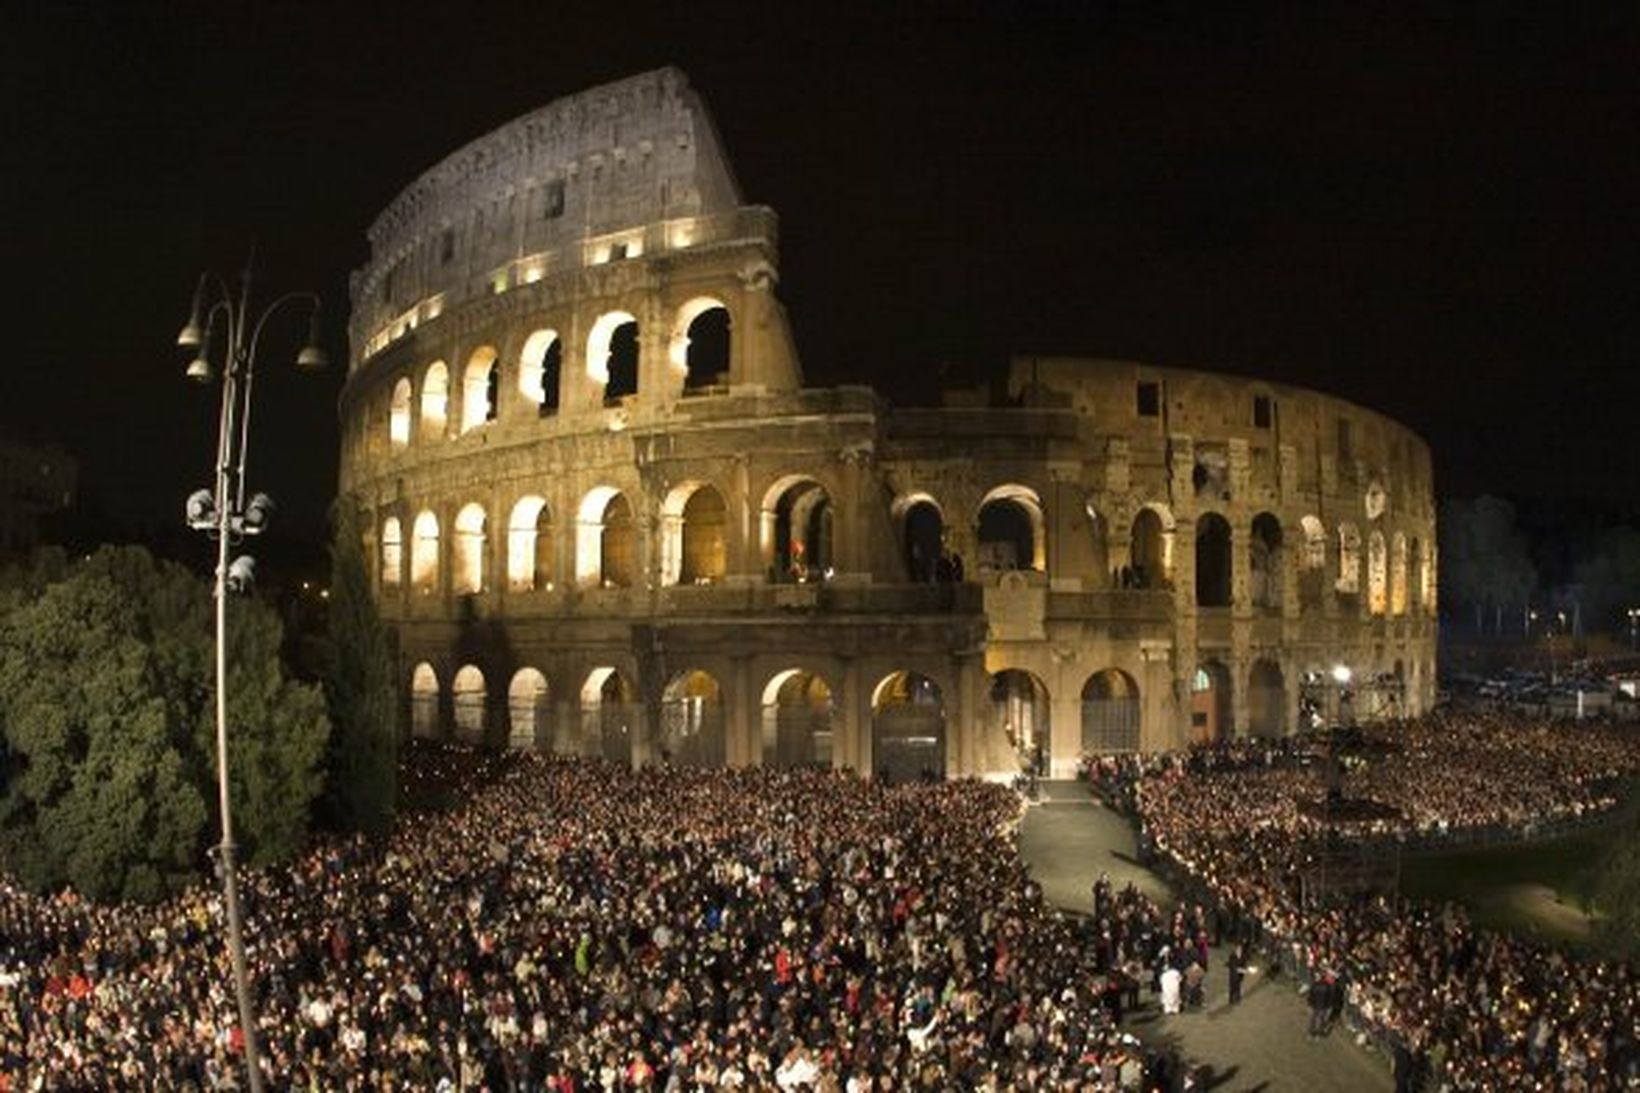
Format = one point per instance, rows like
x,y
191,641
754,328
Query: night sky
x,y
1432,215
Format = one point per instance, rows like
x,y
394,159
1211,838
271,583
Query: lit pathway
x,y
1258,1045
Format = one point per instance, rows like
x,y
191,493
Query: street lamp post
x,y
226,515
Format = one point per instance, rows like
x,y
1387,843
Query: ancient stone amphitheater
x,y
606,516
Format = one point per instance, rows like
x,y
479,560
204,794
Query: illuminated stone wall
x,y
607,517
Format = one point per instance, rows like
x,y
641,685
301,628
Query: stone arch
x,y
694,535
528,710
692,721
1212,560
907,728
1098,547
1010,530
1349,560
435,400
1021,711
540,370
796,524
1151,548
530,551
424,701
1266,699
468,697
1377,573
424,553
612,354
479,388
921,524
399,414
1265,557
392,560
609,714
606,545
1398,574
1312,567
1110,712
698,350
1415,574
1210,703
467,550
798,712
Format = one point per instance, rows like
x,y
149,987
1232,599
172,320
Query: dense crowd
x,y
579,926
1465,1009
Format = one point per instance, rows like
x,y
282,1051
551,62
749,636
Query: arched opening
x,y
467,562
606,547
1110,713
1099,575
1152,554
468,697
609,710
1212,560
528,710
540,368
694,536
1415,574
529,545
1428,583
1349,560
1398,575
922,531
1377,573
398,415
478,389
797,720
1010,531
1021,710
424,701
1264,562
1312,570
392,553
612,355
435,400
1210,703
699,348
424,553
692,732
1266,700
908,729
796,530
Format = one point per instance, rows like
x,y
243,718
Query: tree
x,y
1484,563
359,687
107,709
1610,579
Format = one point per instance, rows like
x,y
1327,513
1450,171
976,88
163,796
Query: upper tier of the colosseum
x,y
600,173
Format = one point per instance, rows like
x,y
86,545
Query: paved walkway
x,y
1259,1045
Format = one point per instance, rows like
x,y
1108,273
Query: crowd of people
x,y
1463,1008
579,926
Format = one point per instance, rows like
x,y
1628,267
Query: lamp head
x,y
312,358
199,369
258,512
241,574
1341,674
200,510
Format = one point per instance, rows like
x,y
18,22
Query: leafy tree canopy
x,y
107,710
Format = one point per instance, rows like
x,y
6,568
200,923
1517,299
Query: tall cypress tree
x,y
362,790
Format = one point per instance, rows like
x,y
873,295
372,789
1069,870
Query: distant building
x,y
606,516
37,482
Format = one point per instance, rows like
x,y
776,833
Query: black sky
x,y
1431,213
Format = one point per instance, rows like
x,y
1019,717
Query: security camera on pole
x,y
228,516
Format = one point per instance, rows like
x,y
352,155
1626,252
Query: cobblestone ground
x,y
1258,1045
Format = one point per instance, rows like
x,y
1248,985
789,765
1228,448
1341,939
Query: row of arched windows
x,y
698,351
795,533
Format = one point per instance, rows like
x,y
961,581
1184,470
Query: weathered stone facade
x,y
606,516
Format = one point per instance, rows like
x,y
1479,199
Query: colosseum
x,y
606,516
